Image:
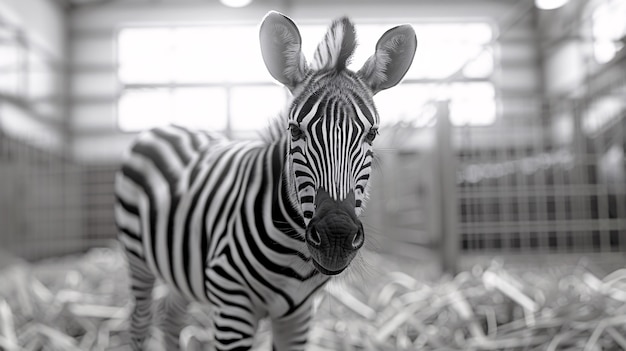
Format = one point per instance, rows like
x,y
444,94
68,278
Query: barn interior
x,y
500,178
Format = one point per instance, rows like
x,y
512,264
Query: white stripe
x,y
186,143
174,163
160,189
197,266
127,220
131,244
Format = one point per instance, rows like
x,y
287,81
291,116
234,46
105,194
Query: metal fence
x,y
560,188
553,181
50,205
549,178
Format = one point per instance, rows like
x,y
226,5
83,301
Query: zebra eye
x,y
371,135
296,132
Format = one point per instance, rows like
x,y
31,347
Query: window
x,y
27,70
454,61
13,55
608,29
195,76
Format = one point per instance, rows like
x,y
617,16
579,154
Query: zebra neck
x,y
285,215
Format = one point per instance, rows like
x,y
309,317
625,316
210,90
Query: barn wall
x,y
570,68
518,79
553,190
32,91
94,88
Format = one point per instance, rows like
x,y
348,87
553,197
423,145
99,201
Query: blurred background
x,y
506,137
500,161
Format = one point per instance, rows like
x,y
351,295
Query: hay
x,y
82,303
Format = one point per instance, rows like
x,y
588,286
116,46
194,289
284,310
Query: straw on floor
x,y
81,303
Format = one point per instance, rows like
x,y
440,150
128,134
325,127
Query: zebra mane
x,y
275,129
335,51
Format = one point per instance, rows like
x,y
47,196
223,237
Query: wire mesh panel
x,y
544,184
40,201
99,197
403,196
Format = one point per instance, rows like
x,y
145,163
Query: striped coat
x,y
255,228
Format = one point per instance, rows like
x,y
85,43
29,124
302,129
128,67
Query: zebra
x,y
256,228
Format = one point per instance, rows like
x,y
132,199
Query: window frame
x,y
228,86
591,11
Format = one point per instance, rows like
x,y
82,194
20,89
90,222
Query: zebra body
x,y
256,228
168,185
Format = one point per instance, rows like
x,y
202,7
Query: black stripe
x,y
127,206
305,184
236,318
195,168
262,234
294,308
364,108
251,269
233,193
296,150
317,134
159,160
227,329
187,226
236,267
363,177
152,154
308,105
217,301
209,202
301,174
224,274
127,232
135,254
175,142
140,180
193,137
230,303
280,206
300,162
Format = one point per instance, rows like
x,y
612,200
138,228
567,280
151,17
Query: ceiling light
x,y
550,4
236,3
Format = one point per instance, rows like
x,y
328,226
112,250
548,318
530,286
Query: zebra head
x,y
332,125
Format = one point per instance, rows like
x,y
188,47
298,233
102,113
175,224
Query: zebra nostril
x,y
313,237
359,238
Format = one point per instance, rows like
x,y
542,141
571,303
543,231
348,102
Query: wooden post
x,y
447,179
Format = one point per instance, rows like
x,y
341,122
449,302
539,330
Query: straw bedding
x,y
81,303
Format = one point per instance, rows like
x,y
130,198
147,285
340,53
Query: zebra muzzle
x,y
334,235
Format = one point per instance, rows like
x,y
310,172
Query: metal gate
x,y
550,178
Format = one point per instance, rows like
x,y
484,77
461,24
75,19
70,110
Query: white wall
x,y
34,110
573,73
564,53
92,44
566,36
42,20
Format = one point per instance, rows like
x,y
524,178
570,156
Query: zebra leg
x,y
291,332
171,315
234,329
141,284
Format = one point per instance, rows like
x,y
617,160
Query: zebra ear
x,y
393,57
281,47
